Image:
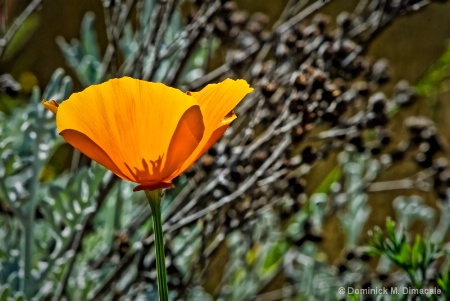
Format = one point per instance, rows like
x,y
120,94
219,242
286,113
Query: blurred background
x,y
334,175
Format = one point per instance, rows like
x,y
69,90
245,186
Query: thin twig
x,y
116,34
191,45
301,15
149,69
16,25
229,198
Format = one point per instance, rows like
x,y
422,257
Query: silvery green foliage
x,y
357,171
142,59
27,138
84,55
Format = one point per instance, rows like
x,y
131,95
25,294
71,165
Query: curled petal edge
x,y
51,105
150,187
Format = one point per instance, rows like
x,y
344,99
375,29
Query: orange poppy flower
x,y
144,132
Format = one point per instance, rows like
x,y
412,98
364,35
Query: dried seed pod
x,y
344,48
300,81
423,160
310,115
355,139
190,172
310,31
259,158
298,103
238,59
260,18
350,255
416,124
300,46
330,117
445,178
372,120
399,153
345,21
299,30
257,23
239,18
220,27
265,36
321,21
282,51
405,95
109,3
375,148
362,88
377,102
268,88
384,137
234,32
358,66
329,92
212,151
229,6
262,69
207,163
289,39
297,133
340,106
296,186
318,80
431,137
440,165
325,51
254,27
280,187
380,71
237,174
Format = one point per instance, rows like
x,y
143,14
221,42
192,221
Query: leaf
x,y
274,256
89,37
52,87
432,79
4,292
333,176
253,254
59,162
417,252
23,33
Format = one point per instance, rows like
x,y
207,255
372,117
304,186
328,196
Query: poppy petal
x,y
217,102
185,140
132,121
213,138
92,150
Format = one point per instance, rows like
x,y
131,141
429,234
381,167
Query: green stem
x,y
154,199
